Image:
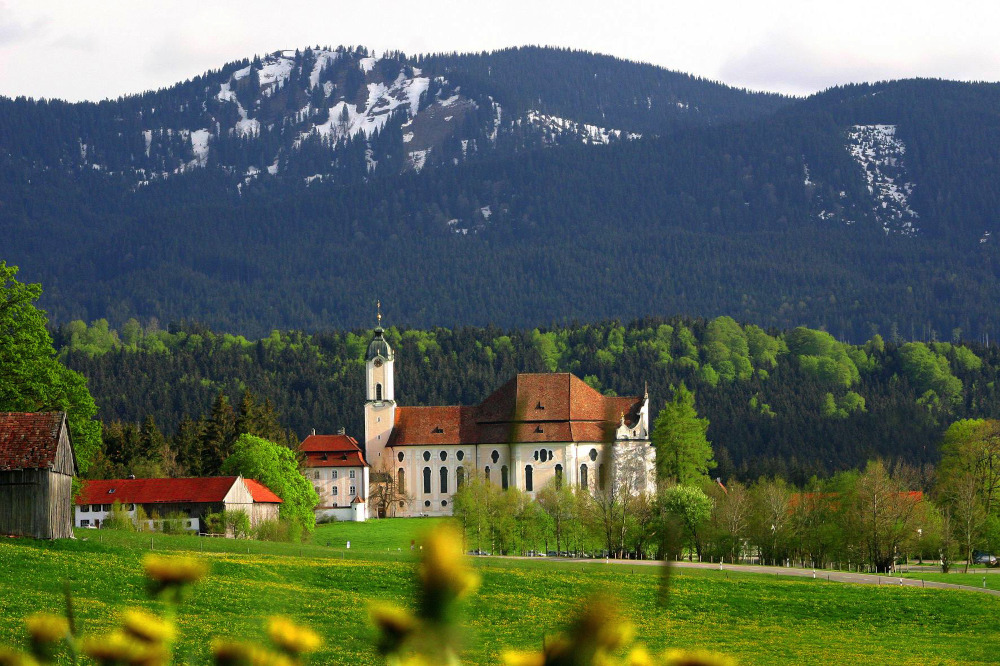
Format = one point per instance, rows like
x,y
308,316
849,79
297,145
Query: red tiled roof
x,y
544,407
29,440
153,491
261,493
351,459
326,443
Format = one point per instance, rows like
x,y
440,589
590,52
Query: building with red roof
x,y
336,467
188,500
535,429
37,466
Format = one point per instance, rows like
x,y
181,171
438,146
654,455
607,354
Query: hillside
x,y
517,188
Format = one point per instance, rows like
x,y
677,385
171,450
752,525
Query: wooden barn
x,y
37,465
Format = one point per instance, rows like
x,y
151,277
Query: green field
x,y
756,618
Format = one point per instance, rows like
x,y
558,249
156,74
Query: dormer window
x,y
539,405
538,428
438,430
111,491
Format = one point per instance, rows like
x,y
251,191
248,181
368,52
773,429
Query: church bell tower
x,y
380,402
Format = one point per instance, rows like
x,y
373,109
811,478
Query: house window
x,y
427,480
583,475
559,476
84,508
351,473
444,479
378,391
85,523
316,474
107,507
401,481
335,474
503,477
354,490
459,477
336,491
527,478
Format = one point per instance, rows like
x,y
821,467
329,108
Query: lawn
x,y
758,619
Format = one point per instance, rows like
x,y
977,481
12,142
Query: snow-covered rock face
x,y
555,129
879,153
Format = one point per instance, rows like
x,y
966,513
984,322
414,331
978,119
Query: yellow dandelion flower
x,y
394,624
147,627
173,571
233,653
517,658
443,565
11,658
292,638
697,658
638,656
119,648
47,627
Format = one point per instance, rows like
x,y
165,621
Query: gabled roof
x,y
542,407
332,451
29,440
204,490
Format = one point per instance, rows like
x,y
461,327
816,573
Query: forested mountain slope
x,y
327,178
794,403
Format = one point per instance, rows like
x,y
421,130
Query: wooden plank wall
x,y
36,503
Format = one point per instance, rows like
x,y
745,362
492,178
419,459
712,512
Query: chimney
x,y
314,431
341,431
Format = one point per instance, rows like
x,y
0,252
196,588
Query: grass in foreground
x,y
754,618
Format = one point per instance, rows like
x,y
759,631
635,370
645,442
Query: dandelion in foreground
x,y
395,625
234,653
172,574
444,574
46,631
147,628
291,638
11,658
118,648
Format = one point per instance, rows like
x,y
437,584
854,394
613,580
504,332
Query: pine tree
x,y
219,435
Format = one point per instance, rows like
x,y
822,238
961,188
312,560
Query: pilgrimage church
x,y
534,429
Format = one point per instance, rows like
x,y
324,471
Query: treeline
x,y
795,404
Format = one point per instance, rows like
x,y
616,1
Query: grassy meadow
x,y
757,619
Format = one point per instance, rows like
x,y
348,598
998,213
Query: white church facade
x,y
534,429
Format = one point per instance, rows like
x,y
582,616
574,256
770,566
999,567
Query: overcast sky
x,y
92,49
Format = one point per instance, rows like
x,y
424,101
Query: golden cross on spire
x,y
378,307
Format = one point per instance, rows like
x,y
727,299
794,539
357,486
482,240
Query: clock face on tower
x,y
378,363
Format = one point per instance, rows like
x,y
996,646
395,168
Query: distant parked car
x,y
984,558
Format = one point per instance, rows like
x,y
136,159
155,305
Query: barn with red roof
x,y
187,501
37,466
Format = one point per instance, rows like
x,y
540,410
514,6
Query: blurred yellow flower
x,y
147,627
639,656
443,566
11,658
47,627
172,571
292,638
394,624
233,653
119,648
517,658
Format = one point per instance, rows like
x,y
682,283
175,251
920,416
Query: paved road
x,y
819,574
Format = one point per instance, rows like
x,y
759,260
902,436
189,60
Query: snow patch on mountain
x,y
323,59
199,145
555,127
347,120
879,153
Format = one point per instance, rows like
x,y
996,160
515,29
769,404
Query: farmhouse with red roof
x,y
37,466
535,429
336,467
190,499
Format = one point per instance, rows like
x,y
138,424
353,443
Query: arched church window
x,y
527,478
378,391
504,473
427,455
459,477
400,456
401,481
444,479
593,454
460,455
559,476
444,456
495,456
427,480
486,474
583,475
536,454
545,455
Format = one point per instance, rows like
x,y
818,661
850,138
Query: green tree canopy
x,y
275,466
683,453
32,379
